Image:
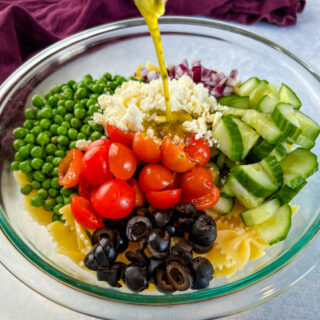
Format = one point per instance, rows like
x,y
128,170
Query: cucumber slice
x,y
235,101
226,191
272,168
235,112
248,86
273,91
264,125
215,172
305,142
261,151
220,160
277,227
230,164
284,117
228,137
266,104
286,194
288,96
248,135
254,179
257,93
243,195
297,166
279,152
260,214
224,205
309,128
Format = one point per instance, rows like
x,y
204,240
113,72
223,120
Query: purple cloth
x,y
27,26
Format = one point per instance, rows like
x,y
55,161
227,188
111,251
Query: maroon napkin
x,y
27,26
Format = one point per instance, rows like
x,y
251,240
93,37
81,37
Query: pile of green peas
x,y
53,125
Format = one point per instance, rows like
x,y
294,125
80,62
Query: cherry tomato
x,y
96,165
117,135
175,182
114,199
99,142
83,214
196,182
198,150
207,201
154,177
145,148
164,199
70,169
173,156
84,189
122,161
140,197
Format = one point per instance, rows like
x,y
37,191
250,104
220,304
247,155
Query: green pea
x,y
25,166
49,158
79,113
38,176
36,163
52,101
37,152
68,117
63,140
81,135
72,144
36,130
69,104
55,89
66,192
91,102
37,101
75,123
81,93
65,124
94,96
19,133
54,183
30,113
60,153
43,193
62,131
24,152
67,93
46,184
59,199
18,156
26,189
56,217
43,139
61,110
92,110
51,148
61,102
79,106
45,123
66,200
15,165
35,184
17,144
49,204
53,128
54,140
45,113
36,201
97,127
95,135
54,172
57,208
107,76
28,124
29,138
86,129
48,133
47,168
52,192
97,88
72,133
83,102
58,119
70,83
56,161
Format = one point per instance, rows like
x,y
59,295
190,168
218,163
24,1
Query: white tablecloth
x,y
301,302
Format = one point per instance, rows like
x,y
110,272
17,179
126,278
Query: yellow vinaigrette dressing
x,y
151,10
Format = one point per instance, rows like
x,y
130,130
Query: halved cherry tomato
x,y
70,169
154,177
96,165
114,199
207,201
99,142
85,188
196,182
83,214
175,182
140,197
198,150
164,199
145,148
117,135
173,156
122,161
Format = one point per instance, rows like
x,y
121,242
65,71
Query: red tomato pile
x,y
110,186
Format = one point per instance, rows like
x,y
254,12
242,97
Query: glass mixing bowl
x,y
118,48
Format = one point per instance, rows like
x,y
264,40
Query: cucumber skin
x,y
235,101
272,164
285,93
216,209
286,194
243,89
261,151
279,152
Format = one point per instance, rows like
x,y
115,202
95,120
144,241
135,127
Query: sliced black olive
x,y
171,230
120,267
157,254
198,248
108,275
185,209
137,257
141,211
185,223
137,228
159,240
179,276
161,217
183,248
117,224
104,253
90,261
177,258
204,231
102,233
162,284
142,244
135,278
154,265
122,241
202,270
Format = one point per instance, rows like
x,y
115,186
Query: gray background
x,y
300,302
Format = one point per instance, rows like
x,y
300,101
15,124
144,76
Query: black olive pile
x,y
170,267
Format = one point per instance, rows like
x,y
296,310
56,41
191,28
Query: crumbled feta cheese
x,y
83,144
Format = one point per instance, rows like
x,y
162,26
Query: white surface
x,y
301,302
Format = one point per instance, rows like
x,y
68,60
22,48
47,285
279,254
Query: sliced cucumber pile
x,y
256,164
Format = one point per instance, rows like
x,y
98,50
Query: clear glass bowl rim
x,y
111,294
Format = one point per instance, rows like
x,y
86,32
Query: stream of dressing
x,y
151,10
